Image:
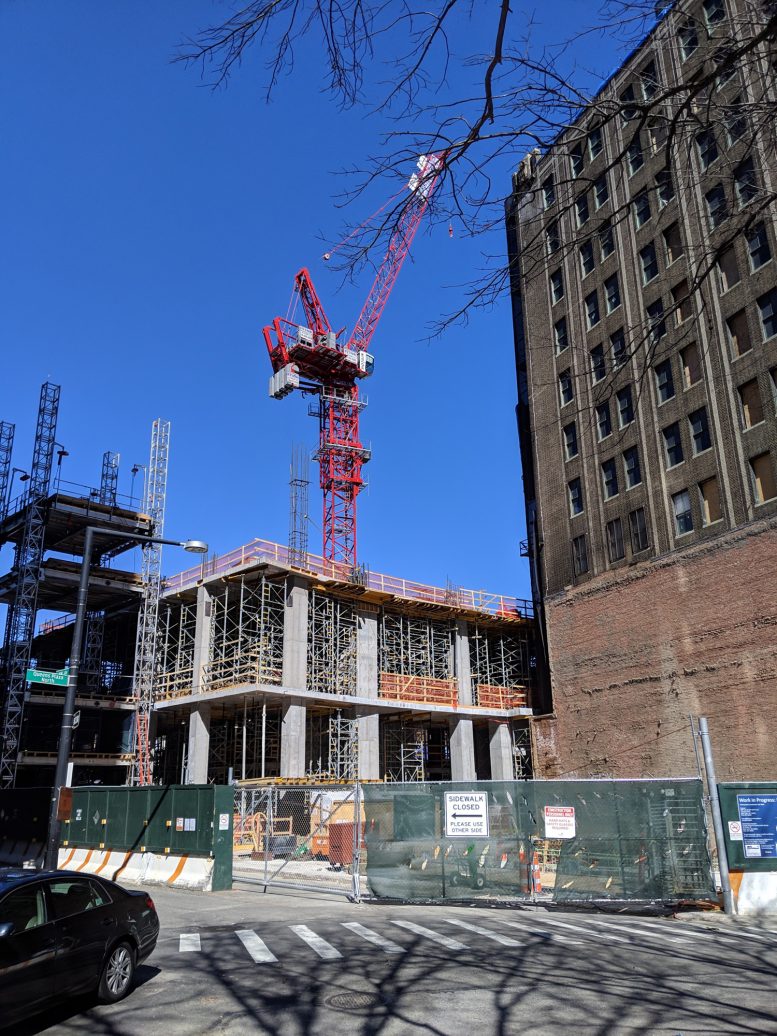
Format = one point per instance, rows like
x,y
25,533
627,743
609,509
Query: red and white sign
x,y
559,821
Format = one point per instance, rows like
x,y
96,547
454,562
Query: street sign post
x,y
466,814
58,678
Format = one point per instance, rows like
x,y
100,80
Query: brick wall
x,y
633,652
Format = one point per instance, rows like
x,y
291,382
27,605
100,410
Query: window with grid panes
x,y
683,516
700,430
767,307
634,155
689,356
728,269
561,335
612,293
714,12
673,243
587,258
557,285
722,59
734,120
641,209
745,182
758,250
601,191
592,309
649,80
581,207
598,366
552,239
628,110
673,446
618,347
664,381
762,477
609,478
625,406
631,467
664,188
750,405
638,530
570,440
707,147
709,501
606,240
682,302
649,262
717,207
565,387
579,555
576,160
773,386
615,548
575,488
657,133
595,142
603,421
689,38
656,319
548,192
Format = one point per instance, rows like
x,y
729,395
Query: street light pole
x,y
68,711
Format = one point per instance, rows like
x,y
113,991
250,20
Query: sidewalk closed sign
x,y
466,814
559,821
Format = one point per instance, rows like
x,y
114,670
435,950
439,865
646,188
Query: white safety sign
x,y
559,821
735,830
466,814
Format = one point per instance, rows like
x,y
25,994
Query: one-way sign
x,y
466,814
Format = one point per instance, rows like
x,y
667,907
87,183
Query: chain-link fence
x,y
560,841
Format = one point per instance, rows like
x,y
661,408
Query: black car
x,y
63,933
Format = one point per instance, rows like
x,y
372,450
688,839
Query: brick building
x,y
643,246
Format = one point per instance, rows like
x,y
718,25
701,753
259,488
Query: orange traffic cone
x,y
535,873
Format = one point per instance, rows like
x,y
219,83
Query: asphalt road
x,y
247,962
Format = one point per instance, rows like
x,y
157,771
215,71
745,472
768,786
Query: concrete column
x,y
369,745
202,631
462,745
295,633
501,748
367,651
293,739
461,659
199,744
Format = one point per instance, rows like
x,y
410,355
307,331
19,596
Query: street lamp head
x,y
195,546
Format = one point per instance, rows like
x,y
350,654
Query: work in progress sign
x,y
466,814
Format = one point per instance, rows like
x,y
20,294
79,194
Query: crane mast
x,y
313,358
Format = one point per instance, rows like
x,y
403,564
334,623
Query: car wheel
x,y
117,975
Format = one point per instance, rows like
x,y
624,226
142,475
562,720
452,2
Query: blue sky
x,y
151,227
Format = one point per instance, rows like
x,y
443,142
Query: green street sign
x,y
55,679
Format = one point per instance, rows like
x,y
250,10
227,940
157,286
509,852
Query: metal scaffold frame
x,y
91,667
175,666
109,479
20,621
246,634
403,750
299,487
416,646
343,747
147,636
331,645
498,658
7,431
247,740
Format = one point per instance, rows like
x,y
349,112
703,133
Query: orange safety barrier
x,y
422,689
489,696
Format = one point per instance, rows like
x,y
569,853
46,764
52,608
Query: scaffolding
x,y
175,660
343,747
299,486
416,660
246,636
28,558
6,451
522,763
91,666
331,645
245,739
109,479
499,664
404,750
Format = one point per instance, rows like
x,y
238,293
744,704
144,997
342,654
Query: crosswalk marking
x,y
189,943
315,942
685,931
427,933
578,928
627,927
540,931
505,940
257,950
373,937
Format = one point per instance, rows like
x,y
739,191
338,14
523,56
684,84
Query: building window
x,y
656,134
673,242
634,155
570,440
579,555
609,479
758,247
762,473
615,548
707,147
603,421
649,261
625,406
628,110
728,269
664,381
575,488
767,307
566,390
682,302
714,12
606,240
618,347
656,320
691,362
592,309
751,407
773,382
689,38
745,182
601,191
560,332
673,446
649,79
638,530
598,366
557,286
581,206
717,209
612,292
631,467
739,334
577,160
552,239
595,142
587,258
709,501
683,518
664,188
700,430
548,192
641,209
734,120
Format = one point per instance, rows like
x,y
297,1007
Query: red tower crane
x,y
316,360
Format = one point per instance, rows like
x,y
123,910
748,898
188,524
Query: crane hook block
x,y
327,256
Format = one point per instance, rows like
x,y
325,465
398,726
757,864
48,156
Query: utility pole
x,y
717,819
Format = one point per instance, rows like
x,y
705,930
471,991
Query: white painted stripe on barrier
x,y
540,931
257,950
427,933
373,937
504,940
189,942
315,942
